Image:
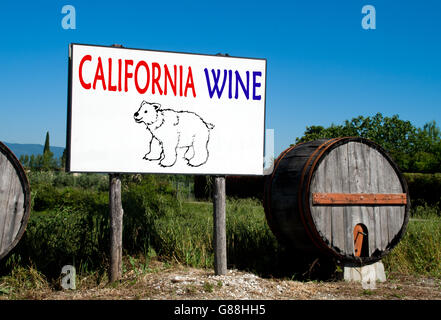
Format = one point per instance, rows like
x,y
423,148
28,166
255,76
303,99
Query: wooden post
x,y
116,224
219,233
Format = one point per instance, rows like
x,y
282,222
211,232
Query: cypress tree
x,y
46,144
63,159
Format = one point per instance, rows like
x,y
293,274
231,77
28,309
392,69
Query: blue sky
x,y
322,66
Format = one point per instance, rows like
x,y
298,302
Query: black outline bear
x,y
171,130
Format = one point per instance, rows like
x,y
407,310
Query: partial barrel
x,y
15,200
344,197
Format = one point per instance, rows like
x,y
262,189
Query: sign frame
x,y
117,47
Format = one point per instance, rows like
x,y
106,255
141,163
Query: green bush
x,y
59,179
71,225
424,188
65,236
48,198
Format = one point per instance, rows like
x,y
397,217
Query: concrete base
x,y
368,275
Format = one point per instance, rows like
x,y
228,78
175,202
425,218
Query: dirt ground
x,y
179,282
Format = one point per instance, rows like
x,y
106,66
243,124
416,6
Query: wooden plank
x,y
330,176
352,213
4,182
366,211
374,212
383,213
116,225
5,177
15,213
321,182
396,214
8,193
359,198
11,203
18,214
356,185
347,216
340,185
219,226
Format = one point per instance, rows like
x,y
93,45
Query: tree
x,y
45,161
46,143
32,162
24,159
392,133
48,162
63,159
427,157
413,149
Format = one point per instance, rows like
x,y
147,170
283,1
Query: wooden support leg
x,y
219,232
116,224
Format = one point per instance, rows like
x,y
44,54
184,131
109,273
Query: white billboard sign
x,y
141,111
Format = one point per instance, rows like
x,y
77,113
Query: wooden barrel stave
x,y
287,225
14,200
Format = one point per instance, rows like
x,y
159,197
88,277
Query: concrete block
x,y
368,275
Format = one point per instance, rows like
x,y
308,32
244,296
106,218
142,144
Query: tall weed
x,y
419,252
70,225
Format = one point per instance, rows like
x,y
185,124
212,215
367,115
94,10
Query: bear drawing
x,y
171,130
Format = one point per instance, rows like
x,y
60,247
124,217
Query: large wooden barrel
x,y
15,200
344,197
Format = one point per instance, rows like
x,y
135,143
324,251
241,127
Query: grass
x,y
23,283
208,287
187,237
28,283
419,252
184,237
166,228
251,245
367,292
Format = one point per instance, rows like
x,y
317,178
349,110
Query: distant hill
x,y
32,149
